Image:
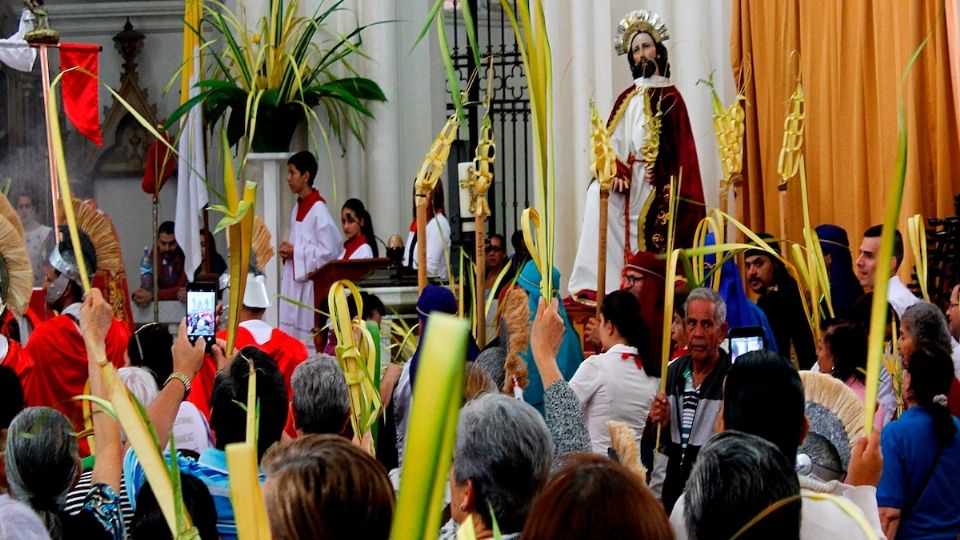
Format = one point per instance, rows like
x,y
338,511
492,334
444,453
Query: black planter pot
x,y
275,128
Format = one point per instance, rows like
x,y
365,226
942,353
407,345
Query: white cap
x,y
255,295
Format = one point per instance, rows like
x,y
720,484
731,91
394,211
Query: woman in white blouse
x,y
620,383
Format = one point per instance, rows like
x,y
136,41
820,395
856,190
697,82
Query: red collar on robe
x,y
413,224
352,245
306,203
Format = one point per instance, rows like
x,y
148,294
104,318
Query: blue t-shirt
x,y
211,469
909,448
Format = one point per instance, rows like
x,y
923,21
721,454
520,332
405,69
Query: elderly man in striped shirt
x,y
694,390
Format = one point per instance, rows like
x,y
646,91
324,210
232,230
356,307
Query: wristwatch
x,y
182,377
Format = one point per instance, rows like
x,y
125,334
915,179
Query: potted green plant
x,y
272,77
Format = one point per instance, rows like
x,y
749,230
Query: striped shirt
x,y
691,400
77,496
211,469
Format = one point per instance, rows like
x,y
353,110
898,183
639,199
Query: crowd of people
x,y
551,442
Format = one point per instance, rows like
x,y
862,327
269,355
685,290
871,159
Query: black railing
x,y
510,192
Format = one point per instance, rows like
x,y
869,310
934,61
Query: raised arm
x,y
187,360
96,317
564,412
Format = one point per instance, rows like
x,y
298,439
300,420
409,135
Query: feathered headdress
x,y
98,227
7,211
262,248
640,20
834,399
16,274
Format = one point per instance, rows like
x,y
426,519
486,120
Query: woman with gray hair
x,y
502,457
923,322
42,458
737,476
17,520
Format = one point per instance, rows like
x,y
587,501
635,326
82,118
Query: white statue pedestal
x,y
269,171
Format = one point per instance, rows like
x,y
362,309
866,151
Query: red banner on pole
x,y
81,99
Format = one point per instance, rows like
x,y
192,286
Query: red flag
x,y
81,100
161,164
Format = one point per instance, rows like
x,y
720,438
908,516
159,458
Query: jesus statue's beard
x,y
645,69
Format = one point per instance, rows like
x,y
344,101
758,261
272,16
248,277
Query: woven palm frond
x,y
262,244
838,398
16,274
516,313
7,211
624,442
99,228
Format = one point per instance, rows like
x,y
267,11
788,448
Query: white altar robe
x,y
316,241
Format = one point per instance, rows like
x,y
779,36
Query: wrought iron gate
x,y
511,190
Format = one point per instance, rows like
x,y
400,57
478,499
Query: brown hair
x,y
322,486
476,382
595,497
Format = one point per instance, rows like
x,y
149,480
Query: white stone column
x,y
382,187
269,171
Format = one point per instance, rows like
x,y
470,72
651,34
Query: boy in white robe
x,y
314,241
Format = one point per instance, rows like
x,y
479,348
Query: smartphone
x,y
743,340
202,312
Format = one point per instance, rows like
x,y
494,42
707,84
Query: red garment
x,y
81,98
352,245
287,351
953,397
17,360
677,151
161,164
305,204
59,364
172,278
651,296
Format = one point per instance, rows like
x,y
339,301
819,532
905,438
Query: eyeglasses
x,y
632,280
491,247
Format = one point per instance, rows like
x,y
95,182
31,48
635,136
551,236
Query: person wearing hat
x,y
778,295
286,350
433,299
56,347
640,197
644,277
845,288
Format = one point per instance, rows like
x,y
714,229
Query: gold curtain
x,y
851,56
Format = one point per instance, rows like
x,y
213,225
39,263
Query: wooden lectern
x,y
326,275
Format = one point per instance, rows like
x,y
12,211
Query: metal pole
x,y
54,186
156,260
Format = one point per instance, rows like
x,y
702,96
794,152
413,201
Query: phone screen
x,y
744,344
201,314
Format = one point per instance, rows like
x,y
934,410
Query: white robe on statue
x,y
316,241
627,138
